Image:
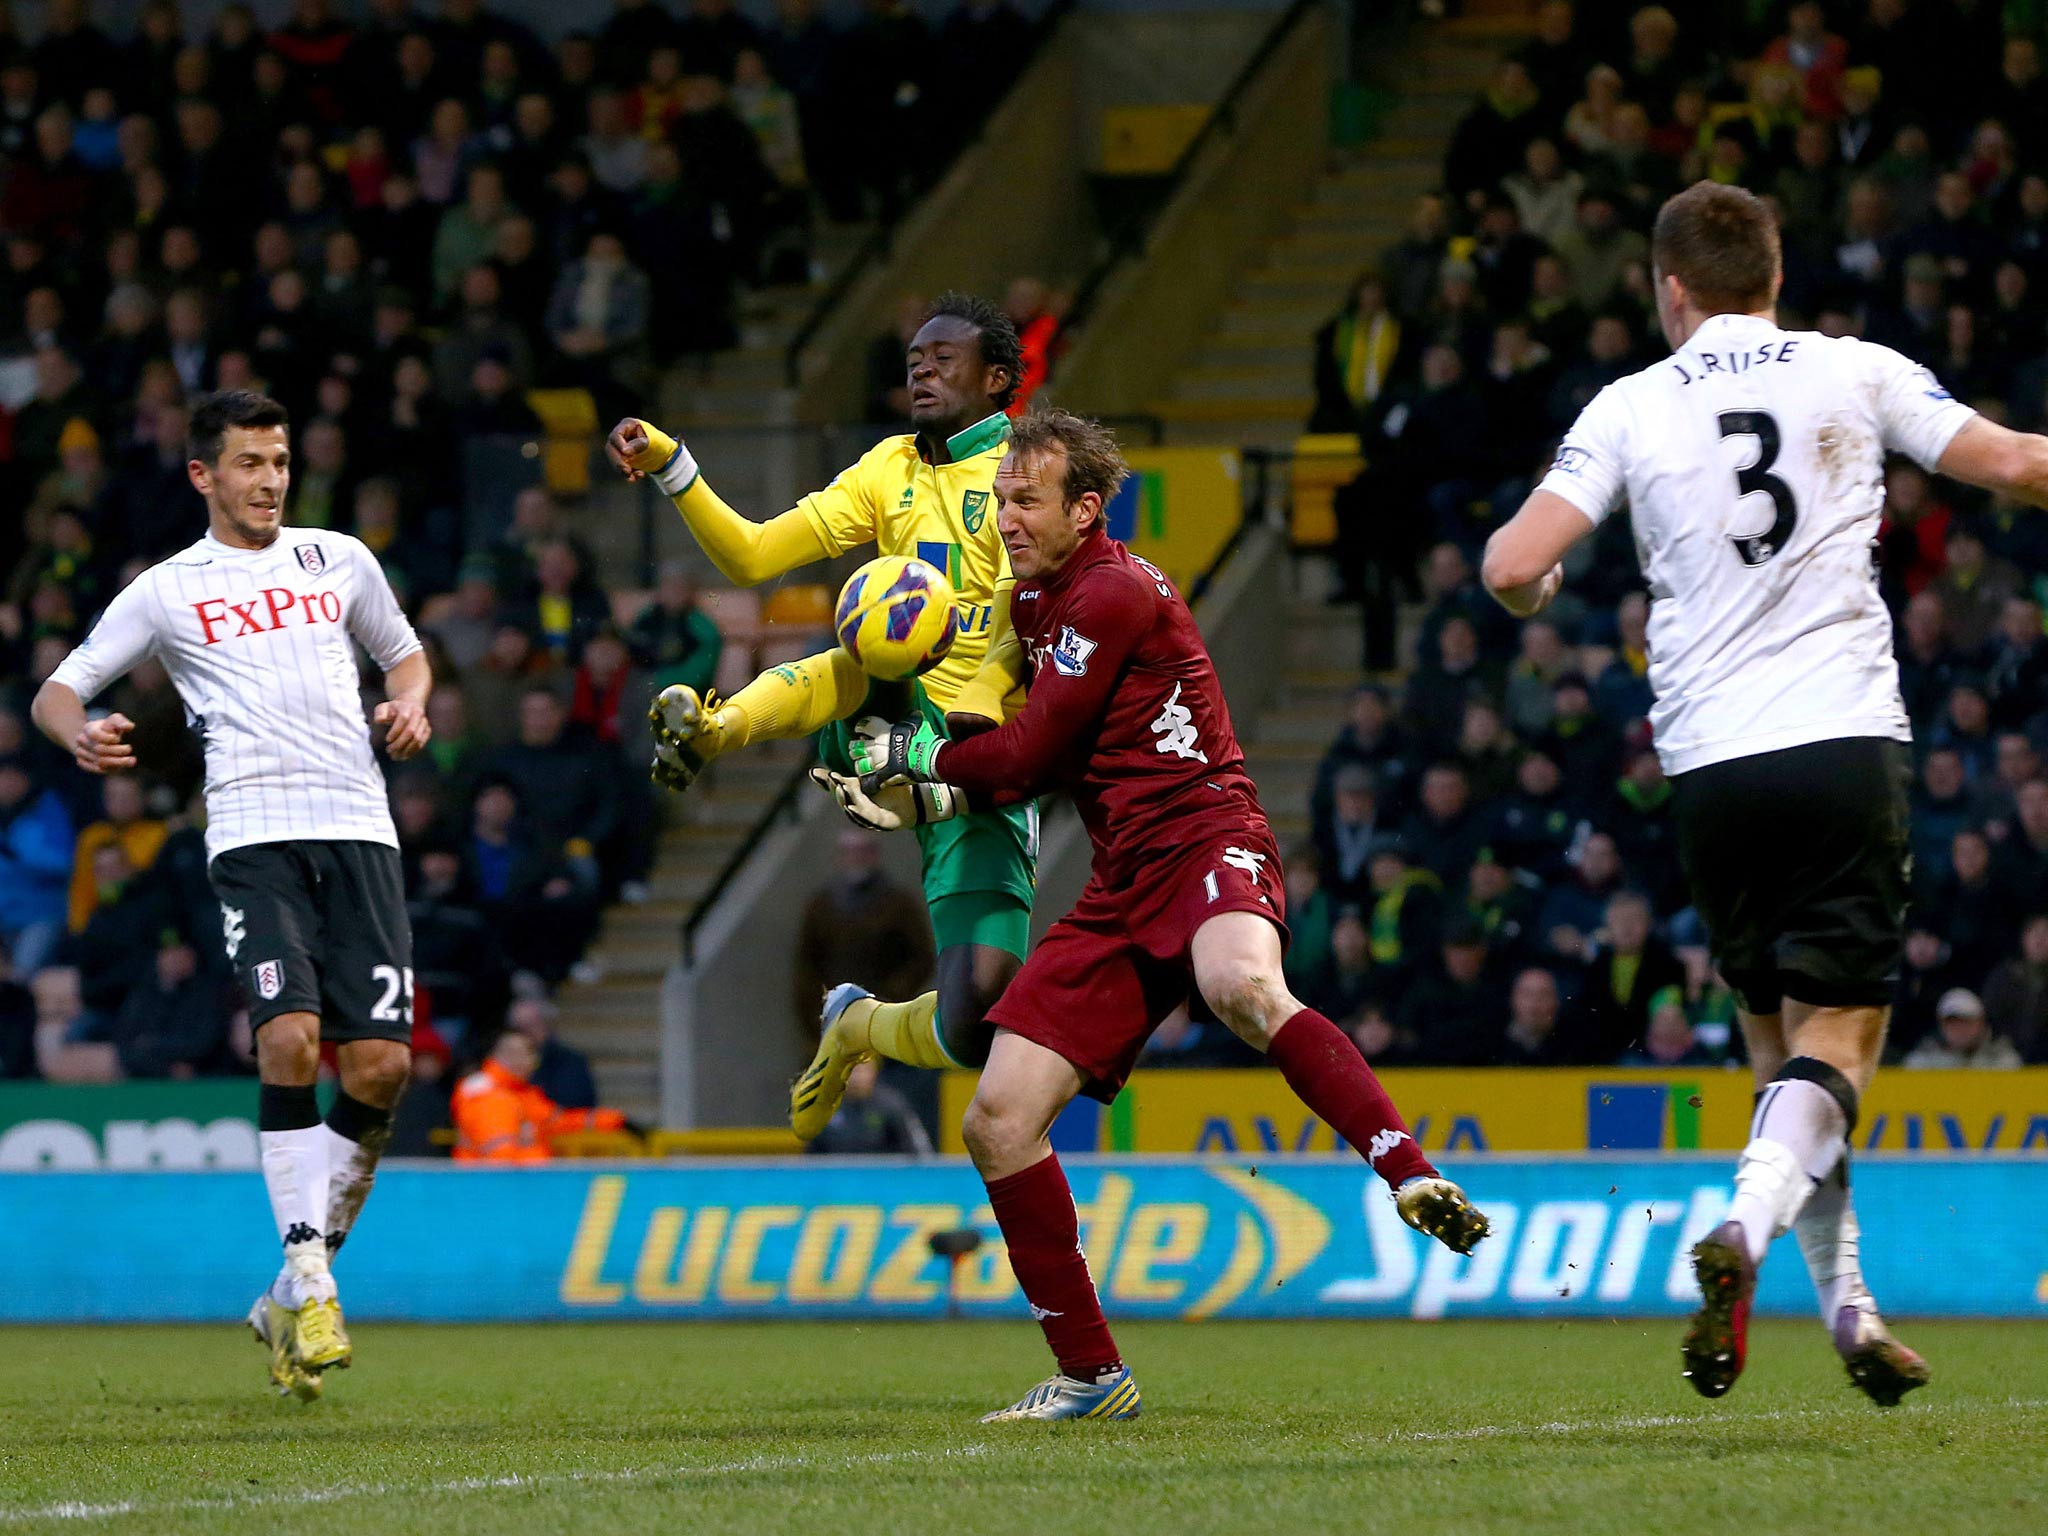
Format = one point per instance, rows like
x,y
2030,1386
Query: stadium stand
x,y
453,247
1489,812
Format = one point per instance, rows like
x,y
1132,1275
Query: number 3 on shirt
x,y
1760,548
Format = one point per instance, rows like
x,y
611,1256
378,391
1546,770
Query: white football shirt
x,y
261,644
1752,462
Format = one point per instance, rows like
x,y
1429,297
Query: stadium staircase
x,y
613,1013
1249,381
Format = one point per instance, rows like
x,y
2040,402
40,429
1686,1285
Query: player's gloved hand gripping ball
x,y
891,807
908,757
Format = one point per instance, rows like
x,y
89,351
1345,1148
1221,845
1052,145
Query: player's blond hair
x,y
1094,462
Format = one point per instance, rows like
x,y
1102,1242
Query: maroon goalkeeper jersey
x,y
1123,712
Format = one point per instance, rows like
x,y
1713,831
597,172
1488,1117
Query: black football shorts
x,y
1800,863
320,927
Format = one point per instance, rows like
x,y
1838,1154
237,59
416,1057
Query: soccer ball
x,y
897,617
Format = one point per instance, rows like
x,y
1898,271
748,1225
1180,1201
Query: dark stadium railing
x,y
881,240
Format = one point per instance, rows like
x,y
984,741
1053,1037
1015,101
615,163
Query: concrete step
x,y
1268,314
1244,382
1274,349
1225,432
637,963
1322,284
1291,753
611,1005
620,1040
1265,412
1327,245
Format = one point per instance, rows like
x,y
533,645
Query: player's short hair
x,y
215,413
1094,462
1722,244
1001,347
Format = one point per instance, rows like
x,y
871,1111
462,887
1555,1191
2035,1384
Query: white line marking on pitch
x,y
78,1510
228,1503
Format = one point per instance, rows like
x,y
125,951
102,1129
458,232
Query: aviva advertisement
x,y
1179,508
1167,1238
1613,1109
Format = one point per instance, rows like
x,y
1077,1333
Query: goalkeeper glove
x,y
666,459
910,756
892,807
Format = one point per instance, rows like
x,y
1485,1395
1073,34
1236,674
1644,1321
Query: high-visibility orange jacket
x,y
503,1118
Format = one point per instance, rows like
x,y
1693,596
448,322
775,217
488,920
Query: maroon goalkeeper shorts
x,y
1106,974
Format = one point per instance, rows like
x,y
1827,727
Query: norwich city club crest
x,y
974,510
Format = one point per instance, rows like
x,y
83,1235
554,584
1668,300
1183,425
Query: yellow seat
x,y
1324,463
725,1141
597,1144
568,423
806,606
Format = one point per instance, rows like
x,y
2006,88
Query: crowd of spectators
x,y
1492,876
397,223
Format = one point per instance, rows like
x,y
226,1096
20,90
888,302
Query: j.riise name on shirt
x,y
1734,362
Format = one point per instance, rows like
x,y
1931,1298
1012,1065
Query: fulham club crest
x,y
269,979
312,557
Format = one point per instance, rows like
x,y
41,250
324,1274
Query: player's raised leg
x,y
1006,1128
1237,963
981,937
785,703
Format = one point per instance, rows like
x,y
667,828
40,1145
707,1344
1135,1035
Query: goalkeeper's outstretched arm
x,y
745,552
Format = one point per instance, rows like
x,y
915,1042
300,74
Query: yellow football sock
x,y
794,699
905,1032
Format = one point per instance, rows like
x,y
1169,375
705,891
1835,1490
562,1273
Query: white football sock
x,y
1832,1244
351,1170
295,1174
1797,1137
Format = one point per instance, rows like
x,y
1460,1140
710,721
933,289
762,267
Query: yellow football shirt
x,y
943,514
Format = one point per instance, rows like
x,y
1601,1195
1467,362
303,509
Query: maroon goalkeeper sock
x,y
1035,1209
1327,1074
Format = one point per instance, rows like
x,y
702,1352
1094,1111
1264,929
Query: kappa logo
x,y
1040,1314
269,977
974,510
1569,460
1176,728
234,927
1070,654
1243,858
1384,1142
312,557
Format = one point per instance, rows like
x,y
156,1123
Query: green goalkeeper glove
x,y
909,755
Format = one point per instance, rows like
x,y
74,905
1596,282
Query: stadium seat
x,y
568,418
1324,463
725,1141
807,607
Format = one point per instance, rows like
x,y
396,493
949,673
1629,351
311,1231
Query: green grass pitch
x,y
1258,1428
